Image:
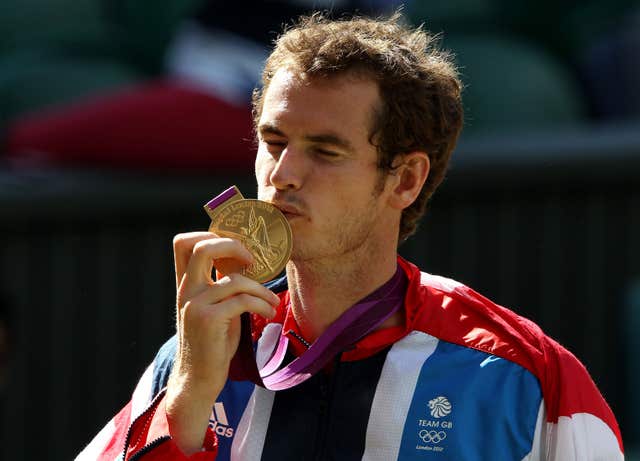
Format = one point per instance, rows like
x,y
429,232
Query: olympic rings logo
x,y
432,436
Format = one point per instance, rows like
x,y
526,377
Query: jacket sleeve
x,y
148,438
142,421
108,444
574,423
143,434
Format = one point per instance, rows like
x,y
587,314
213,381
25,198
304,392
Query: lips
x,y
287,210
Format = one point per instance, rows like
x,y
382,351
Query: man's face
x,y
315,162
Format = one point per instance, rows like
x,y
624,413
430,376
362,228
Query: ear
x,y
407,179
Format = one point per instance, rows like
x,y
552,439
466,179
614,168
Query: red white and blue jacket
x,y
462,379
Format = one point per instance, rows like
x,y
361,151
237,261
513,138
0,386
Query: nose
x,y
289,170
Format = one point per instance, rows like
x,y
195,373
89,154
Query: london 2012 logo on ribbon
x,y
433,432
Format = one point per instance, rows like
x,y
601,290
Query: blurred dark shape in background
x,y
175,81
542,64
120,118
115,84
6,342
610,69
631,348
5,345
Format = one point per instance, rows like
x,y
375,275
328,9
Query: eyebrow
x,y
320,138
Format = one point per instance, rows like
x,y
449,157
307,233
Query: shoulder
x,y
453,312
162,364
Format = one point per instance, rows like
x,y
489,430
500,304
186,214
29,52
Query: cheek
x,y
262,168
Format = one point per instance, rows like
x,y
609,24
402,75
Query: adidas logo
x,y
219,422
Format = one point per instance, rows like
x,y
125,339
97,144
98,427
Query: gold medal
x,y
260,226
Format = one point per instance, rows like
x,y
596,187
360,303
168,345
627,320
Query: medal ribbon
x,y
355,323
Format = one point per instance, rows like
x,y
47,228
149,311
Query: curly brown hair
x,y
421,106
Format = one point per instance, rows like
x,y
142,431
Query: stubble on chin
x,y
339,244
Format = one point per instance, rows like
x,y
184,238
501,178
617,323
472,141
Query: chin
x,y
302,254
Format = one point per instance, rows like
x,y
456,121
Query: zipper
x,y
326,389
299,338
149,446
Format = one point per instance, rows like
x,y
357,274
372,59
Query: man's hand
x,y
208,327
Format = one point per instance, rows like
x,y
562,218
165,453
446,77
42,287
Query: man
x,y
356,121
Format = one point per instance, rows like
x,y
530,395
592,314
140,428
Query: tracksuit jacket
x,y
463,379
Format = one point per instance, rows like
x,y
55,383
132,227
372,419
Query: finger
x,y
226,266
183,248
234,306
198,272
235,284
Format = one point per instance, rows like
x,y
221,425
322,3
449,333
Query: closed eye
x,y
274,142
325,152
274,146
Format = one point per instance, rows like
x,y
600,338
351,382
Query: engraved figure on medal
x,y
257,241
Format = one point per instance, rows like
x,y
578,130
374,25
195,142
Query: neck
x,y
321,290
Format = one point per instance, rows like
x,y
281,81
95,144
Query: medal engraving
x,y
260,227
